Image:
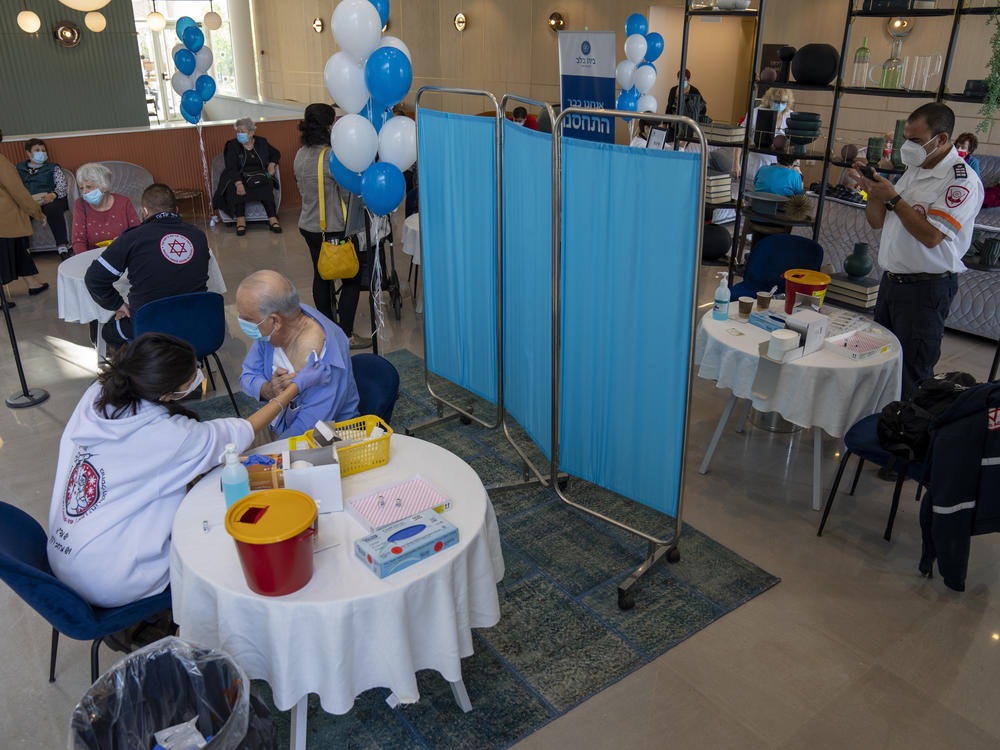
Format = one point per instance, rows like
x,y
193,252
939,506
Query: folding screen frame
x,y
657,548
467,416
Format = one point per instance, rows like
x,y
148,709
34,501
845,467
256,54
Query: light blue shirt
x,y
338,400
774,178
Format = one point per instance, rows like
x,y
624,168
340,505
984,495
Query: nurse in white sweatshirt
x,y
125,460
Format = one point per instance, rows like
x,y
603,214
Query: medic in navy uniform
x,y
926,220
164,256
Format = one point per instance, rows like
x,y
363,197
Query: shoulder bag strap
x,y
322,200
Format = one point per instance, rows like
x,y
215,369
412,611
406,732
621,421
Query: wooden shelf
x,y
724,144
909,13
795,85
778,218
978,11
808,156
890,170
899,93
748,13
963,98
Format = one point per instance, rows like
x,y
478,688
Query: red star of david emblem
x,y
177,247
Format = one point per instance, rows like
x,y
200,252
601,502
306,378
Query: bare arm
x,y
881,190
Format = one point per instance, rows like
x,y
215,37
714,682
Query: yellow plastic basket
x,y
367,454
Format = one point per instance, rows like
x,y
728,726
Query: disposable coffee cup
x,y
763,300
746,307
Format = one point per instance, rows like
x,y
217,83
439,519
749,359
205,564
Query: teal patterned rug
x,y
561,637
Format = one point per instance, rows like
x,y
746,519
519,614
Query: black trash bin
x,y
164,684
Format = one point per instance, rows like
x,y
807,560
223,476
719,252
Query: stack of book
x,y
861,293
718,187
721,132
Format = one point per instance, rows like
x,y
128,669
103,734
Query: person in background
x,y
47,184
17,209
99,215
315,135
126,457
250,174
780,100
287,337
164,256
966,145
521,117
926,220
780,178
690,92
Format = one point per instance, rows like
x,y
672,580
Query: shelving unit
x,y
837,88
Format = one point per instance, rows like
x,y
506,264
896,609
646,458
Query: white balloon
x,y
202,60
181,83
176,48
397,142
345,80
647,103
644,78
354,141
391,41
635,47
625,74
357,27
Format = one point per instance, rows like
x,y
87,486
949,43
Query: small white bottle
x,y
720,311
235,479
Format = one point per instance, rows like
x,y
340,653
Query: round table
x,y
75,305
824,390
346,631
411,246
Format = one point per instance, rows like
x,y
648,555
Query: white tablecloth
x,y
346,631
77,306
824,389
411,237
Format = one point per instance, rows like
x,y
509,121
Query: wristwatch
x,y
890,205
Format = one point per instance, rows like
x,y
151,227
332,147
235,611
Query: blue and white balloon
x,y
205,86
185,61
193,38
636,24
388,75
350,181
654,46
383,187
382,6
183,24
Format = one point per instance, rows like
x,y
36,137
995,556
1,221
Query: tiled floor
x,y
851,649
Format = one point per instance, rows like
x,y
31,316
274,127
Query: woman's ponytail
x,y
145,369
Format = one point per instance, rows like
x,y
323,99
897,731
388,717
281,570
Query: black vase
x,y
786,54
815,64
715,242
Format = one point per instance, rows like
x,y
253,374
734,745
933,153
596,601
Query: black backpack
x,y
904,426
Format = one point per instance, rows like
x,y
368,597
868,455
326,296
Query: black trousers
x,y
916,312
55,212
239,202
322,290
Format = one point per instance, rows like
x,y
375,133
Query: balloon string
x,y
375,286
204,166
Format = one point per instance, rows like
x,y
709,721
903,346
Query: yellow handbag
x,y
337,260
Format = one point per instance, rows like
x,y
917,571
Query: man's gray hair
x,y
96,173
280,298
246,122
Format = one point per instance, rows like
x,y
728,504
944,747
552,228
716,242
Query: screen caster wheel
x,y
464,419
626,599
674,555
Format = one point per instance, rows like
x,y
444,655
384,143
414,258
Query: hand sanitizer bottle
x,y
721,309
235,479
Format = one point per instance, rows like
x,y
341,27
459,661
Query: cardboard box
x,y
399,545
812,326
321,481
859,344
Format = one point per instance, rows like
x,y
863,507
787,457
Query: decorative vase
x,y
786,54
816,64
859,263
897,143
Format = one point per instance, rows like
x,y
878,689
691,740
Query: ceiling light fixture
x,y
155,20
67,33
85,6
899,27
28,21
212,20
95,21
317,25
556,21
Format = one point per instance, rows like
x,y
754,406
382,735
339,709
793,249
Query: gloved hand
x,y
313,374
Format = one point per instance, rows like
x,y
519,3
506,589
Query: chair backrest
x,y
378,385
24,566
218,167
127,179
199,318
774,255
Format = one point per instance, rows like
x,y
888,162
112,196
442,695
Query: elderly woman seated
x,y
99,216
287,336
47,184
250,174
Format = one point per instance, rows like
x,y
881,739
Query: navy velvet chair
x,y
378,385
24,566
862,441
198,318
771,257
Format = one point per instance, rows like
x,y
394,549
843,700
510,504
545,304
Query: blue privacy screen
x,y
527,294
629,258
458,234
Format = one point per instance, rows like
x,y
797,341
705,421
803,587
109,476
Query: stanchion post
x,y
28,396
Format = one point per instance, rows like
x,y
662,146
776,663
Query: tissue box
x,y
769,321
407,541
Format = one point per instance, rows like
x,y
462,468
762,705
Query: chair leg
x,y
996,363
95,664
52,655
225,382
833,491
920,491
903,466
857,475
208,371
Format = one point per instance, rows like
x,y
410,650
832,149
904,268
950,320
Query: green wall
x,y
46,88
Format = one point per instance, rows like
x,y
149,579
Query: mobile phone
x,y
867,171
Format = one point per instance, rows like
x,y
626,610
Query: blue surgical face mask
x,y
39,157
781,106
243,137
199,378
252,330
93,197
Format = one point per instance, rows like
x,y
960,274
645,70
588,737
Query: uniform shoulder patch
x,y
955,196
961,171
